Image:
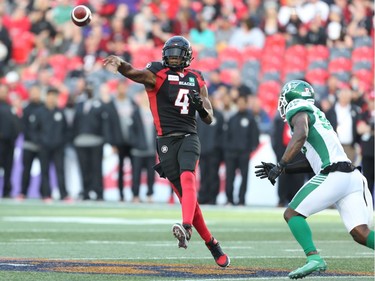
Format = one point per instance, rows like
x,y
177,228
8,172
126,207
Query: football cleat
x,y
316,264
182,234
220,258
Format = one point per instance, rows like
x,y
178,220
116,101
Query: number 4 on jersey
x,y
182,101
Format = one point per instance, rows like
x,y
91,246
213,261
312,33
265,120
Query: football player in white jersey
x,y
336,181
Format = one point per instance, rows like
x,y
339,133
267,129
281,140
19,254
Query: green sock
x,y
370,240
301,231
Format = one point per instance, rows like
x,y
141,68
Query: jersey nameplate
x,y
173,77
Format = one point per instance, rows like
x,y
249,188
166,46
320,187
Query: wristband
x,y
282,164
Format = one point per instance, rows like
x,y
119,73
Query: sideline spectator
x,y
143,152
343,117
212,155
261,116
30,148
240,139
121,111
50,135
9,129
90,132
365,128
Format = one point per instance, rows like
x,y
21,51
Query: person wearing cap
x,y
50,134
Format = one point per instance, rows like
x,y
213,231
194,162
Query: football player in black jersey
x,y
175,94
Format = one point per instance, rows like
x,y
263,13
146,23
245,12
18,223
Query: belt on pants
x,y
345,167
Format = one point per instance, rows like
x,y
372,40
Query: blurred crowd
x,y
54,84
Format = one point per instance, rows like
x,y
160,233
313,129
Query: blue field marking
x,y
198,272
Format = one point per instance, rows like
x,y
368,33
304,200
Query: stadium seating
x,y
230,54
142,56
317,52
207,52
271,76
340,53
206,64
339,65
363,41
320,64
294,75
364,53
275,40
251,53
317,76
268,93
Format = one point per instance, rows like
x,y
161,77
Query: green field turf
x,y
123,241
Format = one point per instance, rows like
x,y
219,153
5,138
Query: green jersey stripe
x,y
305,191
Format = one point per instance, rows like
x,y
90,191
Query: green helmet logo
x,y
295,89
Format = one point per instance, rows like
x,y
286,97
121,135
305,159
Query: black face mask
x,y
175,52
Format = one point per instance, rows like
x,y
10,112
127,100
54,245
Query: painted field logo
x,y
154,270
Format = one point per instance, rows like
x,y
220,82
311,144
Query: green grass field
x,y
114,241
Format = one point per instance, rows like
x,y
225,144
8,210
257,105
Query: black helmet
x,y
177,46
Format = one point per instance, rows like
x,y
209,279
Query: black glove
x,y
276,171
263,170
195,100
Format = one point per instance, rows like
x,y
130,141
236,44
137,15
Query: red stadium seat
x,y
268,93
251,53
206,64
294,64
275,51
277,39
363,54
60,65
269,90
296,51
339,65
317,76
226,76
271,62
230,53
365,75
317,52
141,57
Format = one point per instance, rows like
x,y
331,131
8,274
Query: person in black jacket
x,y
344,116
30,148
144,147
90,132
212,154
51,135
365,128
9,131
240,139
121,110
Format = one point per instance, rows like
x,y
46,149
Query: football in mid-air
x,y
81,15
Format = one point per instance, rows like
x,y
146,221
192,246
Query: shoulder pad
x,y
296,106
155,66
